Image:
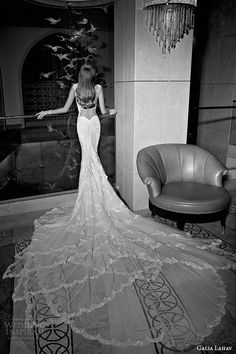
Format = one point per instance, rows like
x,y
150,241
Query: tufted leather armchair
x,y
183,180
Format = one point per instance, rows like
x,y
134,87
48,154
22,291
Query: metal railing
x,y
199,108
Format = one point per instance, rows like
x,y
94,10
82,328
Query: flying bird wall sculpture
x,y
54,48
52,20
62,56
47,75
92,29
78,46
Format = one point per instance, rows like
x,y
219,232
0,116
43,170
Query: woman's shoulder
x,y
97,88
74,86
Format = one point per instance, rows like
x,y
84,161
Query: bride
x,y
86,257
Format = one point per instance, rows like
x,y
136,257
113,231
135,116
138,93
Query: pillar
x,y
151,95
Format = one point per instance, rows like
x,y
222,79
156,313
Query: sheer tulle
x,y
85,259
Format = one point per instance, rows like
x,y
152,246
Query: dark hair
x,y
86,81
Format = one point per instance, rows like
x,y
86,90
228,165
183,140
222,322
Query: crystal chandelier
x,y
169,20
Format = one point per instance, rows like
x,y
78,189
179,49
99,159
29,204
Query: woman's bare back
x,y
88,112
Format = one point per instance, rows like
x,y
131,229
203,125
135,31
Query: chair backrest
x,y
182,163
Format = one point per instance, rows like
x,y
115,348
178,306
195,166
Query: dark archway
x,y
41,76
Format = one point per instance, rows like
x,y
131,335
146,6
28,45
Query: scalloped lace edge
x,y
205,266
200,335
143,240
213,246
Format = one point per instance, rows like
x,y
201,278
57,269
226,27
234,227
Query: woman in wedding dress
x,y
86,257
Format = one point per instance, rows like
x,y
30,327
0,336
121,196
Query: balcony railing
x,y
230,117
43,156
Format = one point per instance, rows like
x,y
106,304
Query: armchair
x,y
183,181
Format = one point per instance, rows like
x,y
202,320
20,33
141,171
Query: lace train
x,y
86,259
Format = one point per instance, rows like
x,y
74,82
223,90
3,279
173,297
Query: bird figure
x,y
105,8
76,35
54,48
59,155
72,49
67,77
62,56
51,186
61,84
75,12
71,168
52,21
92,50
74,59
86,58
71,177
71,66
47,75
83,22
62,38
50,128
92,28
80,32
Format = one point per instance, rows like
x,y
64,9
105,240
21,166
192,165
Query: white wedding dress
x,y
86,257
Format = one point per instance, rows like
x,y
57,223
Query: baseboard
x,y
143,212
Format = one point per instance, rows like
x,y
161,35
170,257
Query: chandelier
x,y
169,20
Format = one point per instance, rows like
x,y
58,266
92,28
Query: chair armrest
x,y
154,186
149,177
214,171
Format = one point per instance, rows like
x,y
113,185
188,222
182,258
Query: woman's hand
x,y
41,114
112,111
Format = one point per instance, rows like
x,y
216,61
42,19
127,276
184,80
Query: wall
x,y
16,43
218,82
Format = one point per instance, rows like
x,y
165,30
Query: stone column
x,y
151,95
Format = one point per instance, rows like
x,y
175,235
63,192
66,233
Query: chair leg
x,y
222,221
152,209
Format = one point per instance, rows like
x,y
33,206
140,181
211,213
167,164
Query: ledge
x,y
35,203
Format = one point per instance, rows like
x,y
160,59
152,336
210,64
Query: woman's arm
x,y
64,109
102,103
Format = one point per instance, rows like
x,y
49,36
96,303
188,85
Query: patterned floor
x,y
16,338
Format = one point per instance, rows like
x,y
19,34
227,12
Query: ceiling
x,y
74,3
33,13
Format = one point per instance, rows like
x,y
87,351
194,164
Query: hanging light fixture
x,y
169,20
